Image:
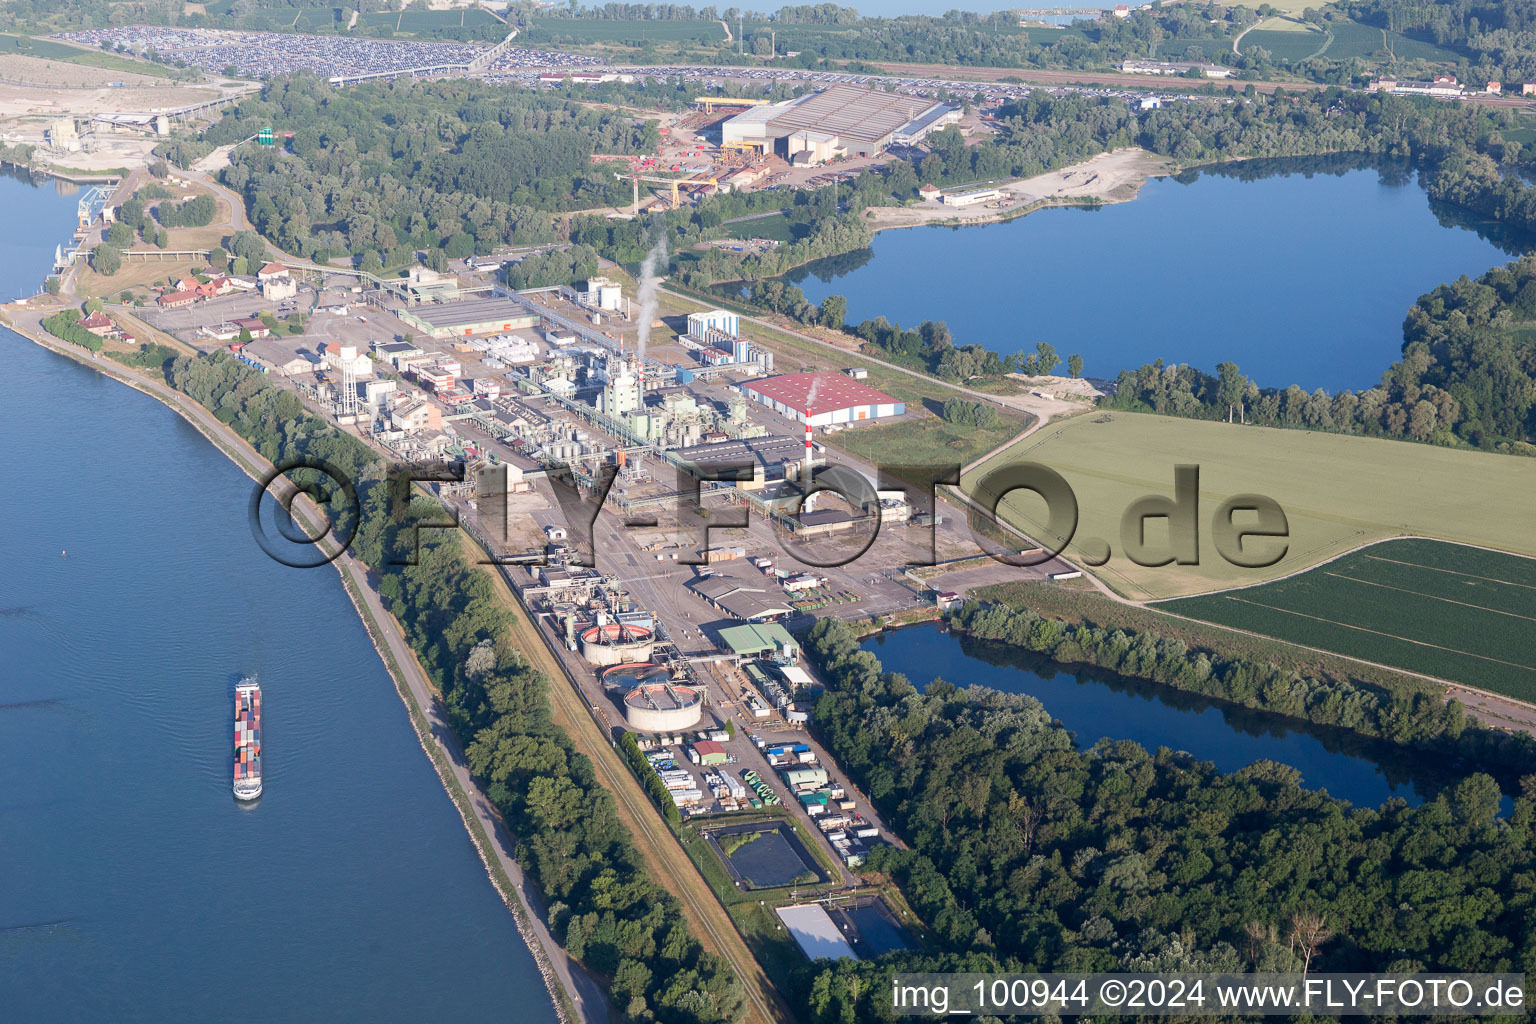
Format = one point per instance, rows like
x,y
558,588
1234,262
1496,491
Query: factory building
x,y
970,197
843,121
757,461
722,320
474,316
822,399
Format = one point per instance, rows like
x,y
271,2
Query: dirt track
x,y
1108,178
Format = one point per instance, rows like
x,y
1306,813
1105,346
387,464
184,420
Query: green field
x,y
1213,50
597,30
424,21
1285,44
1459,613
777,228
1352,39
47,49
1338,492
922,442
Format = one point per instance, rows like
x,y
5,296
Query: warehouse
x,y
970,197
843,121
475,316
756,460
747,598
768,640
822,399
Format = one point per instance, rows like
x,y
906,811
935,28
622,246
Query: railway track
x,y
669,858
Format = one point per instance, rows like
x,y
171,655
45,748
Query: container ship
x,y
247,740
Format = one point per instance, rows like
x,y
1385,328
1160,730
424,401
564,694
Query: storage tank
x,y
624,678
663,707
616,643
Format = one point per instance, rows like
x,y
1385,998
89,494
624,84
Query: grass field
x,y
923,442
1352,39
1285,39
50,50
1463,614
777,228
423,21
595,30
1338,492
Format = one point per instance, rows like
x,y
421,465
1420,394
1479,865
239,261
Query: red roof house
x,y
176,300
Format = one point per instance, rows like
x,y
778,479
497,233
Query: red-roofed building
x,y
709,752
821,399
270,271
98,324
255,325
176,300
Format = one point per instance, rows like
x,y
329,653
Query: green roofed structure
x,y
760,640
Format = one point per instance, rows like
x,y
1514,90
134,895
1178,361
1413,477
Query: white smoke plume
x,y
648,284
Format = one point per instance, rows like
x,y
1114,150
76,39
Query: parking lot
x,y
266,54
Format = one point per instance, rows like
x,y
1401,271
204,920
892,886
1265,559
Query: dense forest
x,y
601,898
382,169
1029,854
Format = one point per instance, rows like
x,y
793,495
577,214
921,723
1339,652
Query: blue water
x,y
135,888
1095,705
1298,278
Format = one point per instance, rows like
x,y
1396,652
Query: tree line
x,y
65,325
1027,854
1467,376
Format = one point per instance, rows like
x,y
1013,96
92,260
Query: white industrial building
x,y
722,320
843,121
822,399
970,197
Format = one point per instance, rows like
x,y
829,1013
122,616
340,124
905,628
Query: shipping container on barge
x,y
247,740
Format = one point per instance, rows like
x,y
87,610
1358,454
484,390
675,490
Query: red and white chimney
x,y
807,472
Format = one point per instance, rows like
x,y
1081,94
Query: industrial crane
x,y
636,179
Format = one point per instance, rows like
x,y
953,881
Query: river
x,y
133,596
1299,271
1094,704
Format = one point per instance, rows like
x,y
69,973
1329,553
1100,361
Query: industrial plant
x,y
843,121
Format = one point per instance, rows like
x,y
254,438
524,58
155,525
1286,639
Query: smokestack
x,y
807,471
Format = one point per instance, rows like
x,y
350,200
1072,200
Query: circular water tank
x,y
624,678
617,643
663,707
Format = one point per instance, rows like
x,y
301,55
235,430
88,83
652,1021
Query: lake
x,y
136,888
1094,704
1301,272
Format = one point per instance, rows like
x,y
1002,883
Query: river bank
x,y
575,996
